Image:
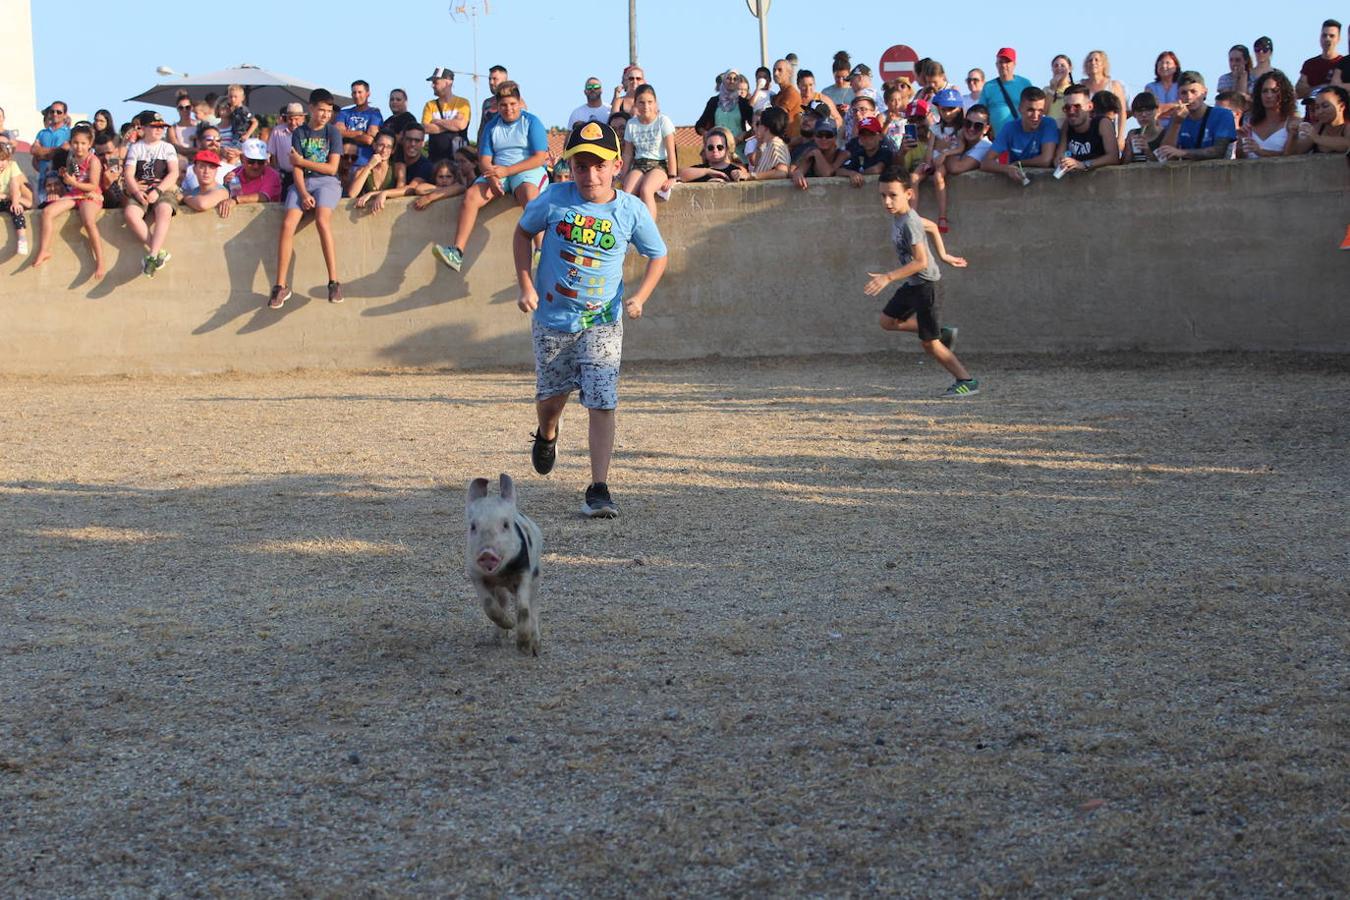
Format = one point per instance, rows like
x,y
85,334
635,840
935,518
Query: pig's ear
x,y
478,489
508,488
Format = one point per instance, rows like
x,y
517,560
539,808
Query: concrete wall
x,y
1179,257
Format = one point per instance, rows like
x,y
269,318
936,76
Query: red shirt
x,y
1317,71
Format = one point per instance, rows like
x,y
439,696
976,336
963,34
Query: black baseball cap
x,y
439,72
592,137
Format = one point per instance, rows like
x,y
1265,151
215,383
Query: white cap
x,y
255,149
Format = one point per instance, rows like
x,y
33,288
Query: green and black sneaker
x,y
967,387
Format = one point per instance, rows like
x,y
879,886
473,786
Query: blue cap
x,y
949,98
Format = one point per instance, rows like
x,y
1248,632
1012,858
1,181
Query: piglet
x,y
502,560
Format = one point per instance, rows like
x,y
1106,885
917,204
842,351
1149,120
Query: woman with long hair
x,y
1061,76
1328,132
1267,130
1239,76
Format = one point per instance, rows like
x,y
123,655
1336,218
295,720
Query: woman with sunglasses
x,y
826,158
182,132
728,109
719,160
1262,48
972,143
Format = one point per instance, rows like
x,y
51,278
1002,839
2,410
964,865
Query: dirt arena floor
x,y
1085,634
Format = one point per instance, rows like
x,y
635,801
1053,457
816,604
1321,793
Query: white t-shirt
x,y
148,163
587,113
649,140
980,150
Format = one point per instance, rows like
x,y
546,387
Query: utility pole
x,y
632,32
760,10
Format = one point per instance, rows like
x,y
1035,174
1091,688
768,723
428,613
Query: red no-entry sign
x,y
898,61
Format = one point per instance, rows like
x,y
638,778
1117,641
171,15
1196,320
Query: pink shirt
x,y
268,184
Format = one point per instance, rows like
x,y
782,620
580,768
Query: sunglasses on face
x,y
58,112
973,124
185,108
711,147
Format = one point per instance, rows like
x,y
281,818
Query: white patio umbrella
x,y
265,92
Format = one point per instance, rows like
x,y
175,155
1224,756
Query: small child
x,y
914,305
16,197
649,162
80,180
237,122
316,149
448,184
1142,141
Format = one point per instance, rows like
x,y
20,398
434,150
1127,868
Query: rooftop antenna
x,y
469,11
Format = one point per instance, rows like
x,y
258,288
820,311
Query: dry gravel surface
x,y
1085,634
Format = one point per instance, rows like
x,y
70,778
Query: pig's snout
x,y
488,561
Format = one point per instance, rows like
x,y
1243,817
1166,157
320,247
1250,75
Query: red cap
x,y
917,109
1007,53
869,125
207,156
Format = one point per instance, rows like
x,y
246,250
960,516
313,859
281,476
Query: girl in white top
x,y
1266,131
649,162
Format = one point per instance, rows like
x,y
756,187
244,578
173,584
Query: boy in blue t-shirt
x,y
914,306
1197,131
512,153
1027,142
587,227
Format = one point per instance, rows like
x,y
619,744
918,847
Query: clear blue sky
x,y
550,47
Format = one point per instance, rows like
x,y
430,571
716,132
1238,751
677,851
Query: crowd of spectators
x,y
217,153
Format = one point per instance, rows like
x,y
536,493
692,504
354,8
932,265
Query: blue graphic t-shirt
x,y
354,119
580,277
1021,144
316,146
510,142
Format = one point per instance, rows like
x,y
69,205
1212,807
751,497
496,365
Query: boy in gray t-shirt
x,y
914,306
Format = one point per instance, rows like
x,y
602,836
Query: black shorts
x,y
919,300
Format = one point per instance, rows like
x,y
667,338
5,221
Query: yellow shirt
x,y
439,109
7,173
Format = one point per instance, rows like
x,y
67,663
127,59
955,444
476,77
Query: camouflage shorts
x,y
587,361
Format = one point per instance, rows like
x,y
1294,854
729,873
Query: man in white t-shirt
x,y
594,109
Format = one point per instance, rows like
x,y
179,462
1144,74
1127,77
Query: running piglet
x,y
502,560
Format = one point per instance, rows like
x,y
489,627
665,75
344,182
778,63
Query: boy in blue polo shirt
x,y
578,297
1027,142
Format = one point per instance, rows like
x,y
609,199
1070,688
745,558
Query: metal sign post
x,y
760,10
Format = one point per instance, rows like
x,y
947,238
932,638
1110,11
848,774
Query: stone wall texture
x,y
1176,257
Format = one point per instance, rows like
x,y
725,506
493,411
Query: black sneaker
x,y
598,504
544,453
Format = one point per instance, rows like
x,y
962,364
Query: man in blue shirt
x,y
55,136
1002,95
360,123
1028,141
512,150
578,324
1198,131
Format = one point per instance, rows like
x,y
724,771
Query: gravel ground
x,y
1082,635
